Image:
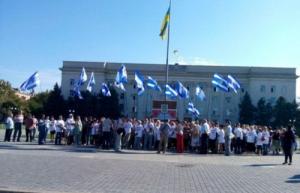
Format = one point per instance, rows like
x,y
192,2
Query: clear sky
x,y
40,34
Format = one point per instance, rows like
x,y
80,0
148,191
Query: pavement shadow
x,y
263,165
294,179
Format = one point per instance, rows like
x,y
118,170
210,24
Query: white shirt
x,y
266,136
213,133
60,124
221,136
139,130
19,118
106,125
52,125
238,132
251,135
128,126
70,124
204,128
156,132
259,139
9,123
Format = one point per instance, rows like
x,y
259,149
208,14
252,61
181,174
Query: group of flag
x,y
179,90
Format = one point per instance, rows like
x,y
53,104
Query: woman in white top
x,y
52,128
212,138
156,133
60,127
259,142
221,140
266,140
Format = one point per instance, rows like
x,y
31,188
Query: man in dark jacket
x,y
287,145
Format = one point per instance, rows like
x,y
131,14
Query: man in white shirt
x,y
228,134
70,123
204,130
60,126
266,140
212,138
18,121
238,134
9,124
106,129
126,138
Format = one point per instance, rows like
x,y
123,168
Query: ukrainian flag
x,y
164,25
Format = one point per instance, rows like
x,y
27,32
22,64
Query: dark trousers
x,y
106,140
58,138
42,134
212,143
238,146
17,131
29,135
288,154
7,135
203,140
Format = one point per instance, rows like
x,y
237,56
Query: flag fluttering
x,y
152,83
233,83
200,93
83,77
191,108
32,82
165,24
105,90
77,92
170,92
139,79
91,83
220,83
121,78
182,91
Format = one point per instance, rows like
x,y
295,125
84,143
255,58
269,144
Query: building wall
x,y
259,82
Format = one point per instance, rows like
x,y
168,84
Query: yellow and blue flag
x,y
164,25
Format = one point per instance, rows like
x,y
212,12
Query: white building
x,y
267,82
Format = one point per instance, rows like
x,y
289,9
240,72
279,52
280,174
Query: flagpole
x,y
167,57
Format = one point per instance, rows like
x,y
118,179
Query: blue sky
x,y
40,34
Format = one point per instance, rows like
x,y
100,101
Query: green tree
x,y
36,104
247,110
284,112
55,104
263,113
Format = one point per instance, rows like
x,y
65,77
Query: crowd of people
x,y
124,133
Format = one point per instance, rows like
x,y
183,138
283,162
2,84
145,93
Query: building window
x,y
72,93
243,90
215,89
134,86
188,87
122,96
273,89
262,88
72,81
133,97
283,90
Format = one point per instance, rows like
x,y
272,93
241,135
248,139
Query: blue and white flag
x,y
170,92
200,93
191,108
120,86
105,90
233,83
32,82
83,77
121,75
182,91
152,83
77,91
139,79
220,83
91,83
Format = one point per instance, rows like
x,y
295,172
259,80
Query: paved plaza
x,y
49,168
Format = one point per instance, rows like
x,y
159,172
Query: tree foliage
x,y
264,113
247,110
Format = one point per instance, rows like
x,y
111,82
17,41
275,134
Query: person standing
x,y
106,129
28,127
77,130
212,138
9,124
70,127
164,131
60,127
42,130
266,140
33,129
179,138
126,138
52,128
204,130
47,127
287,145
19,118
238,134
228,136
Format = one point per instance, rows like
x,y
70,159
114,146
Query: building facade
x,y
260,82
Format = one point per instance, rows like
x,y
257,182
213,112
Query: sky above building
x,y
37,35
